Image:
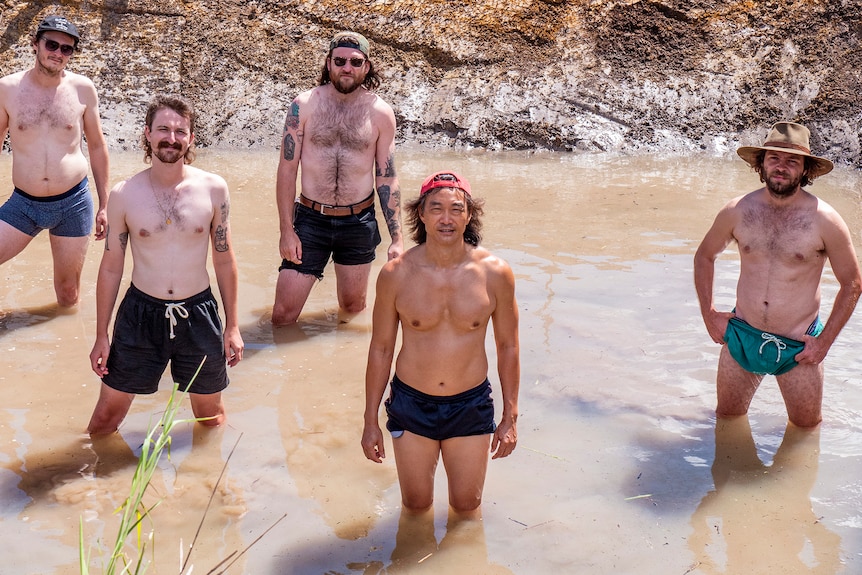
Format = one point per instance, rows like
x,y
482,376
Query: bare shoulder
x,y
12,80
494,266
829,216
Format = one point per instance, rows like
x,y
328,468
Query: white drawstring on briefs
x,y
178,307
769,338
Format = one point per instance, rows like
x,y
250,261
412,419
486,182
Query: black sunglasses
x,y
65,49
355,62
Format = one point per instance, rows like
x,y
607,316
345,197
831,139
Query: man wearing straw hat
x,y
784,236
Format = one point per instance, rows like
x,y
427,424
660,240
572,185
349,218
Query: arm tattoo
x,y
225,211
124,239
291,123
220,243
386,196
389,172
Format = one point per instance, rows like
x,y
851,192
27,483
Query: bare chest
x,y
339,128
462,303
788,235
37,109
175,216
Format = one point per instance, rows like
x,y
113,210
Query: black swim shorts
x,y
350,240
150,332
440,417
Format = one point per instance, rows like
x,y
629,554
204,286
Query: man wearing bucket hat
x,y
443,293
784,235
342,135
47,110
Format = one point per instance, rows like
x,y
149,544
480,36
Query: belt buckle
x,y
324,207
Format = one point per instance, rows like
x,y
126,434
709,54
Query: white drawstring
x,y
178,307
769,338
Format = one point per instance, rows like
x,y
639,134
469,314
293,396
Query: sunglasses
x,y
65,49
355,62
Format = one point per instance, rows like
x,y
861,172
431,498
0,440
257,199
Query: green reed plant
x,y
133,510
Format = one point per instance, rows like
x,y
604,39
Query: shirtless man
x,y
343,137
46,110
443,292
784,235
169,214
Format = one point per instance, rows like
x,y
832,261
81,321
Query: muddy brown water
x,y
619,468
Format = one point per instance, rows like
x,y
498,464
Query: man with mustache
x,y
170,214
342,135
784,235
46,111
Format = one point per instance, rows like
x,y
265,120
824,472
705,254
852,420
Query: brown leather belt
x,y
328,210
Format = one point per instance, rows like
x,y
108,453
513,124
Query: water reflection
x,y
753,502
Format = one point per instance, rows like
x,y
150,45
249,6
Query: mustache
x,y
168,145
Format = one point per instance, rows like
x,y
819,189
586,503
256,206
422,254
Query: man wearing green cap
x,y
47,110
785,235
342,135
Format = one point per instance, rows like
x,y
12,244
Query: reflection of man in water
x,y
46,110
169,214
343,136
443,293
761,513
784,235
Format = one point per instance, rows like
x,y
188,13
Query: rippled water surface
x,y
620,467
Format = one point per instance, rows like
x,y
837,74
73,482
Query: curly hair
x,y
181,107
472,233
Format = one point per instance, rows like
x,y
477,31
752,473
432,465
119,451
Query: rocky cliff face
x,y
564,75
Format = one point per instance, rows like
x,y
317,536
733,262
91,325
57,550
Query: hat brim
x,y
822,166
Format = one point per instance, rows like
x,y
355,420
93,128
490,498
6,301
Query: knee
x,y
353,306
104,424
282,315
68,293
726,412
213,421
465,505
806,422
417,505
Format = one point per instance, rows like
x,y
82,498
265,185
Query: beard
x,y
349,88
783,189
169,153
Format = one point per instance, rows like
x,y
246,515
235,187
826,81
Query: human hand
x,y
716,325
396,248
290,247
233,346
814,352
101,224
372,443
505,438
99,357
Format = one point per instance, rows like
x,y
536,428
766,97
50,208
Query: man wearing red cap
x,y
443,293
47,110
784,235
342,135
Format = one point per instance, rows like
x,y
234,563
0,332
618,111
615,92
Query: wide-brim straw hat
x,y
790,138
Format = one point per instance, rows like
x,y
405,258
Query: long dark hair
x,y
181,107
371,81
473,231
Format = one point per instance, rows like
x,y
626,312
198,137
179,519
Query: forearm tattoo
x,y
388,199
220,244
389,171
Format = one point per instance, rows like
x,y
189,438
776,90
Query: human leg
x,y
208,407
68,254
291,293
352,286
110,410
416,461
802,390
12,242
466,462
735,386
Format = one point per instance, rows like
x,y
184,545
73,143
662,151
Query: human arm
x,y
97,150
845,267
505,322
224,264
713,244
381,351
108,280
289,245
386,180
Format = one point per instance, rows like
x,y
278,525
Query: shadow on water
x,y
11,320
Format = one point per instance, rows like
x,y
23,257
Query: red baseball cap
x,y
444,180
